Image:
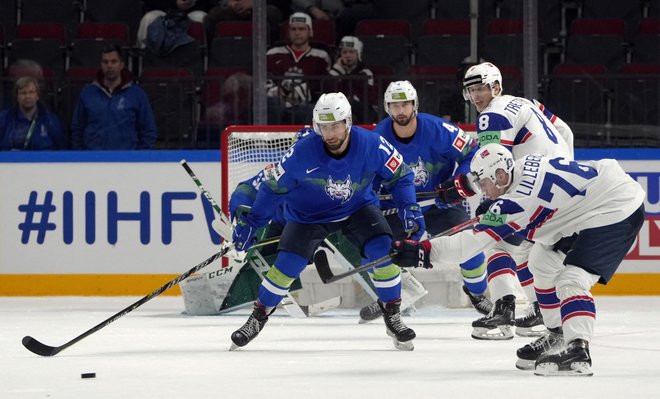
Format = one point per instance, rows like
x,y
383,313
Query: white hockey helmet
x,y
399,91
302,18
331,108
353,43
484,73
487,160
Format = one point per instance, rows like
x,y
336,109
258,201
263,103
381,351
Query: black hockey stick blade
x,y
323,267
42,349
39,348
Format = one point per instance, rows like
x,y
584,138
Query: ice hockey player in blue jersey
x,y
583,218
523,127
327,184
435,150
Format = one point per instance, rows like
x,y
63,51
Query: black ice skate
x,y
551,342
370,312
575,360
252,327
531,324
402,336
497,325
482,304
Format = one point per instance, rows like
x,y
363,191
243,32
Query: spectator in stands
x,y
112,112
28,125
325,10
344,13
241,10
359,91
162,10
291,97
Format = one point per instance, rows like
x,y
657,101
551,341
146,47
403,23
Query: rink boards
x,y
124,223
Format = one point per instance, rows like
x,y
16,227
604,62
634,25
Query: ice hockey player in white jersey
x,y
523,127
583,218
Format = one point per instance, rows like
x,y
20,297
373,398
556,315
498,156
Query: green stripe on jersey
x,y
492,219
489,137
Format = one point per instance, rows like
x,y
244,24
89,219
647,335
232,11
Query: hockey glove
x,y
413,221
513,239
454,191
483,207
410,253
243,236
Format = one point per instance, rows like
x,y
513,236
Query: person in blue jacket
x,y
112,112
28,125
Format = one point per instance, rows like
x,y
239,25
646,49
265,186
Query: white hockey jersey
x,y
520,126
549,198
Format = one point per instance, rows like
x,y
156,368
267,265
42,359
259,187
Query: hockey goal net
x,y
245,150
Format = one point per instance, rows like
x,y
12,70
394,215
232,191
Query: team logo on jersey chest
x,y
339,190
421,173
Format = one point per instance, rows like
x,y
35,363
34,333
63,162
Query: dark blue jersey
x,y
319,188
437,151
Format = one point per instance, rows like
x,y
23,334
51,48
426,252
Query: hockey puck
x,y
88,375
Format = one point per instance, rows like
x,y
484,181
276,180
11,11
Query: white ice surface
x,y
156,352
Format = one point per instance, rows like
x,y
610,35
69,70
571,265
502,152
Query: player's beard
x,y
403,120
335,146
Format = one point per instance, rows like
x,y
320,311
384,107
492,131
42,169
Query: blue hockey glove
x,y
410,253
454,191
243,236
413,221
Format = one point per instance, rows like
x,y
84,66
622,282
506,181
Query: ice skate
x,y
531,324
551,342
497,325
370,312
575,360
402,336
252,327
482,304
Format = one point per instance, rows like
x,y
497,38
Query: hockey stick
x,y
323,267
204,191
41,349
225,233
223,218
421,194
392,211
